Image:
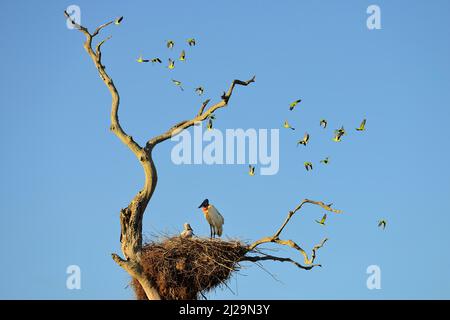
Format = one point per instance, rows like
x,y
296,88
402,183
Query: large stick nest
x,y
183,268
186,268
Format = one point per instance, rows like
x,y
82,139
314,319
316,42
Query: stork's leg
x,y
210,231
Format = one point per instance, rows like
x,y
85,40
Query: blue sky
x,y
64,176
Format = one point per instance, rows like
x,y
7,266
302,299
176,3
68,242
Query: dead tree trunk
x,y
131,216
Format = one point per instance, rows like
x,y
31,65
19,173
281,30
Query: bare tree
x,y
131,216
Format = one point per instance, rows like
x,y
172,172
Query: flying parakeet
x,y
308,166
191,42
305,140
118,20
178,83
362,126
293,104
171,65
325,161
210,124
170,44
322,221
140,60
323,123
382,223
338,134
199,90
287,125
182,56
251,170
158,60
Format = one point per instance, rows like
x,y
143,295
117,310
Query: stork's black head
x,y
204,204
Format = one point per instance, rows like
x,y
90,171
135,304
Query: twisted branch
x,y
309,262
201,116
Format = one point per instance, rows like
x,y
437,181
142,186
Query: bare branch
x,y
96,58
179,124
226,96
202,108
276,237
76,25
280,259
307,261
101,27
291,213
201,116
97,49
288,218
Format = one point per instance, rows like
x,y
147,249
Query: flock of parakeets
x,y
170,44
338,133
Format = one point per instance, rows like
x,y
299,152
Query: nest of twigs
x,y
187,268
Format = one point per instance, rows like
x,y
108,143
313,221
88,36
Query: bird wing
x,y
216,219
216,216
208,218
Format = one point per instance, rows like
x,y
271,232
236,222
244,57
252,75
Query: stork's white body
x,y
215,219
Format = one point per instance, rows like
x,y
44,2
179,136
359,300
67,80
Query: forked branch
x,y
308,261
201,115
